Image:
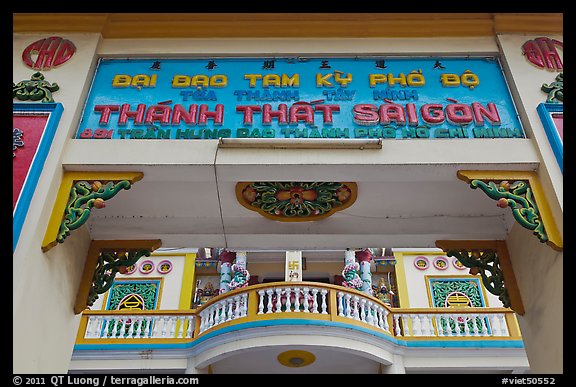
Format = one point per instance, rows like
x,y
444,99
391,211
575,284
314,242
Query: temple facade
x,y
288,193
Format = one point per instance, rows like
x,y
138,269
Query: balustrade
x,y
301,300
134,326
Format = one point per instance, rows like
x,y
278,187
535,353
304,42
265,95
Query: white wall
x,y
538,269
417,283
45,284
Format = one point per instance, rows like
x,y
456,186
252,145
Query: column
x,y
192,369
397,367
226,258
365,257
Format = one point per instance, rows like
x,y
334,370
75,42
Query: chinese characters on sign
x,y
293,266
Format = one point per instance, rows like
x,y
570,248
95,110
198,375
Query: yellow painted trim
x,y
266,25
401,280
162,254
554,237
188,282
68,180
353,196
436,253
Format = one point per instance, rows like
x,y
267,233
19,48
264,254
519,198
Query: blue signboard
x,y
402,98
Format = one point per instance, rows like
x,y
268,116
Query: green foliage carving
x,y
296,199
555,90
109,263
147,290
487,264
34,89
83,197
519,197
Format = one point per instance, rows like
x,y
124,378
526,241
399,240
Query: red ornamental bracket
x,y
50,52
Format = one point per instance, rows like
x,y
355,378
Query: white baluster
x,y
172,322
306,304
156,322
315,300
397,327
340,298
431,325
131,329
424,325
494,324
146,327
297,299
370,313
324,292
237,310
122,333
244,305
474,325
231,310
383,318
114,328
260,301
288,299
220,316
484,328
416,325
278,300
190,330
89,327
457,324
202,322
405,325
139,321
439,327
164,326
347,297
210,312
363,310
466,327
356,308
180,333
503,325
269,306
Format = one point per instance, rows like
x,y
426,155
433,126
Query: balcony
x,y
301,304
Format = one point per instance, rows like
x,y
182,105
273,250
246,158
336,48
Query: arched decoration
x,y
489,259
296,201
105,259
521,191
79,193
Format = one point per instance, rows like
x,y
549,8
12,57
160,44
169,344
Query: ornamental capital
x,y
363,255
227,257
